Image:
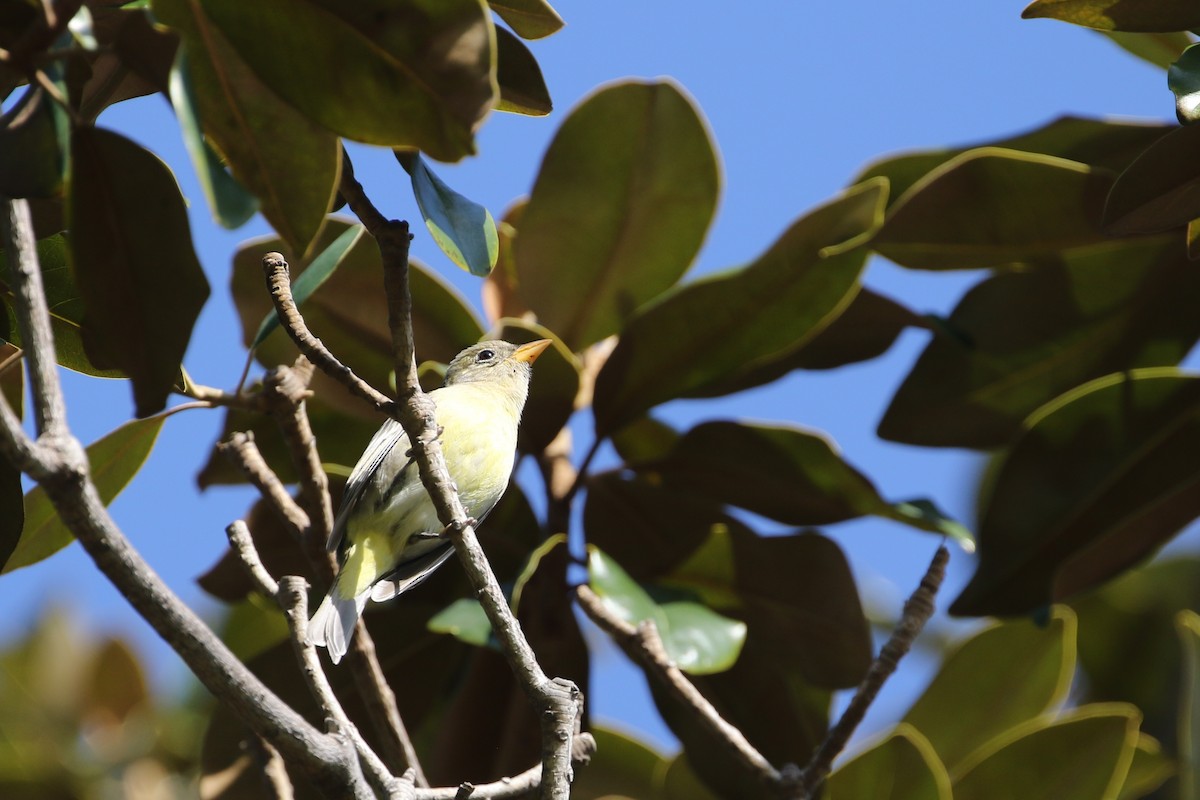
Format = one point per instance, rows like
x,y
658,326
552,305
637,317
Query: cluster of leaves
x,y
1061,361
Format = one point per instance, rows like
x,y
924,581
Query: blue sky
x,y
798,97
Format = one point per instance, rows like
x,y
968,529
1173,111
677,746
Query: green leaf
x,y
232,206
1187,623
680,782
313,277
291,164
992,206
132,256
1119,15
552,391
903,766
1159,49
645,439
1099,143
422,72
531,19
32,151
500,296
465,620
698,640
1149,770
1160,190
1024,336
621,767
781,472
464,230
970,701
623,199
65,303
349,315
522,87
134,60
113,461
1083,755
697,336
1099,479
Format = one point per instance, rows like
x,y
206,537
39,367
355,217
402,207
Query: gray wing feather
x,y
421,558
382,443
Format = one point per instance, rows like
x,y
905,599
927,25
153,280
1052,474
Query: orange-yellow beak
x,y
529,352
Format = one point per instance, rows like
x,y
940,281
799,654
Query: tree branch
x,y
917,611
60,464
241,449
557,701
643,645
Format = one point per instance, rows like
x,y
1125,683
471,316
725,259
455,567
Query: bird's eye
x,y
485,355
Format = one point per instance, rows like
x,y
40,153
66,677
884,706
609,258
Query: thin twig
x,y
293,599
917,611
274,773
557,701
244,549
275,268
644,645
242,451
380,702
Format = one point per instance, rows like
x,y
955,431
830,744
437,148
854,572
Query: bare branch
x,y
293,598
275,268
643,645
274,773
917,611
557,701
243,547
380,703
60,464
242,451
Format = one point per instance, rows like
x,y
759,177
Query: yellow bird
x,y
387,533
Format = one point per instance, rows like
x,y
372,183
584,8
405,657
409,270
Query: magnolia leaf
x,y
464,230
623,199
132,257
1098,480
113,461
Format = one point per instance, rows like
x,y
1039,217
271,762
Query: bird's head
x,y
505,364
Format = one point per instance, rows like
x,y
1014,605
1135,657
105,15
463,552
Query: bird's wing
x,y
424,553
389,435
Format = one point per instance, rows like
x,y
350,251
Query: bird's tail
x,y
332,626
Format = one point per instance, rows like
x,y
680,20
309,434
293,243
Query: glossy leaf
x,y
65,305
1105,144
698,335
134,60
993,206
465,620
349,315
113,461
1160,190
1183,78
971,701
1188,625
865,329
32,156
1099,479
621,767
291,164
132,257
232,206
531,19
698,640
1159,49
552,391
1150,768
422,71
795,593
904,766
621,205
1119,15
643,440
313,277
1083,755
1022,337
522,87
464,230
